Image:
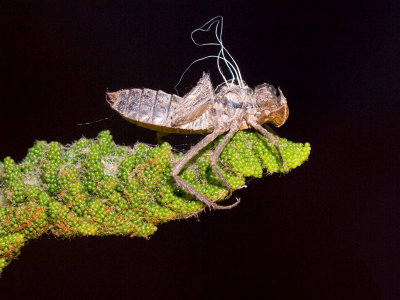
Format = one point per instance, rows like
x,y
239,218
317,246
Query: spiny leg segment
x,y
215,156
273,139
185,159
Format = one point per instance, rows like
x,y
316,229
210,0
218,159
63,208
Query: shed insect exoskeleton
x,y
228,108
232,106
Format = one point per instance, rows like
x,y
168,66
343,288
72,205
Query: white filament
x,y
229,62
88,123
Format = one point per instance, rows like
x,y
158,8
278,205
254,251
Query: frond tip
x,y
95,187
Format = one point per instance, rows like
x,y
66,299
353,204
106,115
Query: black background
x,y
328,230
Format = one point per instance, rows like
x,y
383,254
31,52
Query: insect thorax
x,y
241,103
233,103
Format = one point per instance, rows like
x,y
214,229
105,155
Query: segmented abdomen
x,y
154,109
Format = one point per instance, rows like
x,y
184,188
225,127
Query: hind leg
x,y
159,136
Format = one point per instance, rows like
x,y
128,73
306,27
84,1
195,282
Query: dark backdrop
x,y
328,230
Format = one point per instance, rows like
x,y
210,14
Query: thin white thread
x,y
231,65
200,59
210,23
236,68
219,20
88,123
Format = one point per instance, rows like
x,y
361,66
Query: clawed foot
x,y
217,206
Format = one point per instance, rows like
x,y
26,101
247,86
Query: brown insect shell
x,y
237,100
272,109
261,103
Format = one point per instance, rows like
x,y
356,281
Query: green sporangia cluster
x,y
95,187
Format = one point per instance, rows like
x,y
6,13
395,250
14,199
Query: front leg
x,y
273,139
185,159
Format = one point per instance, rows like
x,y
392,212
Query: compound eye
x,y
265,95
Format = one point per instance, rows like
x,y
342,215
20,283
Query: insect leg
x,y
159,136
271,130
184,160
217,153
273,139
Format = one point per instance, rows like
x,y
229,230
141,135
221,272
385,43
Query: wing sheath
x,y
196,102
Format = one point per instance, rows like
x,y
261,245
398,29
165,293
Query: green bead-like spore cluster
x,y
95,187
